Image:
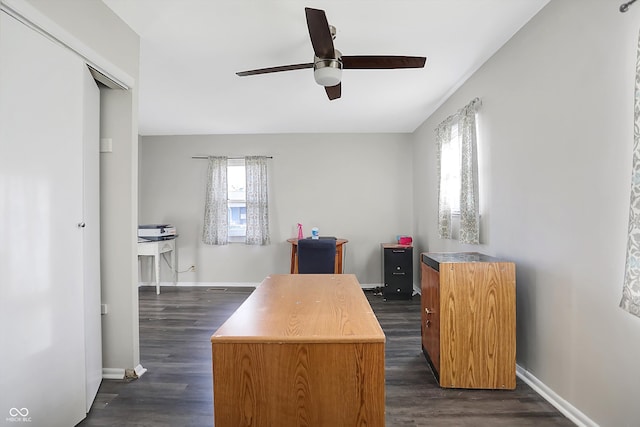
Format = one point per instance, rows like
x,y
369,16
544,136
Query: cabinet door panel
x,y
431,314
478,312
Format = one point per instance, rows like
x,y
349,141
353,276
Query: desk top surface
x,y
434,259
338,241
166,239
316,308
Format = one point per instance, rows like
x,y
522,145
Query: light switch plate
x,y
106,145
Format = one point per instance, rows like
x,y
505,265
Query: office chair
x,y
316,256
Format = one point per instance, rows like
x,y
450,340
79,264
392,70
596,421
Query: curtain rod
x,y
475,103
625,6
206,157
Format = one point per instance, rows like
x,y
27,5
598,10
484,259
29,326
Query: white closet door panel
x,y
41,296
91,238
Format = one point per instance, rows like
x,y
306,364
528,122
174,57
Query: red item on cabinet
x,y
405,240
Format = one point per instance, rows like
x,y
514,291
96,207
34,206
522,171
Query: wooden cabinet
x,y
469,319
397,271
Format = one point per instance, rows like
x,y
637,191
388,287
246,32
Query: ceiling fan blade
x,y
373,62
319,33
334,92
275,69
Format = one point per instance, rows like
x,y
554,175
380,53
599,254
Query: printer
x,y
156,232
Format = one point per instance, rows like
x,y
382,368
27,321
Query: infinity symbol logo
x,y
14,412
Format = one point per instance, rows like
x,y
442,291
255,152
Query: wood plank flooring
x,y
175,328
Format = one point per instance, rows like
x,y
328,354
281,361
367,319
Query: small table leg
x,y
175,266
156,260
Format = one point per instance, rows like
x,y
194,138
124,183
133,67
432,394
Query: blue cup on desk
x,y
315,233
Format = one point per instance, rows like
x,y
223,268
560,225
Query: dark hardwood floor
x,y
175,328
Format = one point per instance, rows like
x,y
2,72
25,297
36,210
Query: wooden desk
x,y
301,350
339,255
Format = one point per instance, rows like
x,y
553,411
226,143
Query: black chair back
x,y
316,256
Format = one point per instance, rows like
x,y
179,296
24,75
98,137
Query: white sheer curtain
x,y
216,215
465,121
631,287
257,201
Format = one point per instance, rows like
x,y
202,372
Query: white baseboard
x,y
112,373
205,284
370,285
231,284
567,409
119,373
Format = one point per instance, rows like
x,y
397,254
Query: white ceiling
x,y
191,49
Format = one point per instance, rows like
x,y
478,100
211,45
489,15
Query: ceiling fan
x,y
329,62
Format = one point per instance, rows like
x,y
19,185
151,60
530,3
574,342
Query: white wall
x,y
353,186
117,48
556,135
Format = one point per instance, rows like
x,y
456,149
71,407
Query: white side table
x,y
155,248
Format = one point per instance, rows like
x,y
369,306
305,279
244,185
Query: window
x,y
451,167
237,199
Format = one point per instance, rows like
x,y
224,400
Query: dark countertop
x,y
434,259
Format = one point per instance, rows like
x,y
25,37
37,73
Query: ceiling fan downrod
x,y
625,6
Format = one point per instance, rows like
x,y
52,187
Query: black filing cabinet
x,y
397,271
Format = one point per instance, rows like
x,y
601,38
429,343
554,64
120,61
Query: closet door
x,y
91,237
42,355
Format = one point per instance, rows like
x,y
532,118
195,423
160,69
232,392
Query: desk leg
x,y
156,259
293,258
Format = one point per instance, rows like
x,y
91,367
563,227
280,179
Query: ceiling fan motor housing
x,y
327,72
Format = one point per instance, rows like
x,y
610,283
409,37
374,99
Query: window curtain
x,y
257,201
465,119
469,210
631,288
216,215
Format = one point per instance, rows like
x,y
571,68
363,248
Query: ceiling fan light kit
x,y
328,62
327,72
